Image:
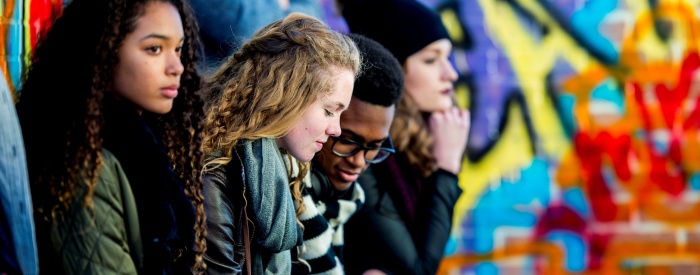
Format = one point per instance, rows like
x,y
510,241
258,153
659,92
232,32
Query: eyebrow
x,y
159,36
440,51
340,105
356,136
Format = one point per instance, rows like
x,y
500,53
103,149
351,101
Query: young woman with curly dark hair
x,y
113,126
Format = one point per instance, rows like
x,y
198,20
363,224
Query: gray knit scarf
x,y
276,228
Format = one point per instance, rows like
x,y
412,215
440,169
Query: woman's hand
x,y
450,130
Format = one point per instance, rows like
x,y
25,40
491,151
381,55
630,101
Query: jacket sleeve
x,y
377,237
106,238
436,219
221,234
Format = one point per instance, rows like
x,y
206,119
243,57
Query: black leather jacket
x,y
223,190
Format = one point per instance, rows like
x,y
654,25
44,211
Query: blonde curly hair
x,y
263,89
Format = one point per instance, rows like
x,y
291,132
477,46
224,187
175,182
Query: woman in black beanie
x,y
407,217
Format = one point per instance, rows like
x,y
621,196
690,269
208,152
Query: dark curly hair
x,y
61,106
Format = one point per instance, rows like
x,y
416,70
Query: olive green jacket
x,y
106,241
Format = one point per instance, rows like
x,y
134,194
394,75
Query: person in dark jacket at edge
x,y
409,198
332,194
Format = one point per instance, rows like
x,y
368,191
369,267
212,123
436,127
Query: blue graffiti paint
x,y
694,181
486,268
574,249
451,246
566,105
585,24
609,92
513,204
15,45
574,198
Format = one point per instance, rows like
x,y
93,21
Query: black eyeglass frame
x,y
362,147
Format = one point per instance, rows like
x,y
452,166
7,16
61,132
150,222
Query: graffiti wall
x,y
584,155
20,25
585,151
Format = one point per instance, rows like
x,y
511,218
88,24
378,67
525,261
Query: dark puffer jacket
x,y
382,236
166,214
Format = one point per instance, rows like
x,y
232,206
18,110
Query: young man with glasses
x,y
332,193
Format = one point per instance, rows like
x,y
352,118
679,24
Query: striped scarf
x,y
323,226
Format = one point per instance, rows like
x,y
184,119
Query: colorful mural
x,y
585,151
584,156
21,23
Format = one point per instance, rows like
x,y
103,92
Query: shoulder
x,y
106,235
111,179
225,176
109,161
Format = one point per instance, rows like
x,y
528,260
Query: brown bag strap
x,y
246,242
246,227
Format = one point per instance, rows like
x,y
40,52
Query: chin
x,y
164,111
305,157
161,110
444,107
341,186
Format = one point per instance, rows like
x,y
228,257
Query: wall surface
x,y
585,153
21,22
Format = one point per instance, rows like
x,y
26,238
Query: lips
x,y
320,143
447,91
348,176
170,91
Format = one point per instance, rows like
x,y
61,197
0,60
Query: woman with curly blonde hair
x,y
282,92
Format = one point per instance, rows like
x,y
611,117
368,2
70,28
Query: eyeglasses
x,y
344,147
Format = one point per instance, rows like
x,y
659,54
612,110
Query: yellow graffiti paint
x,y
510,155
451,21
531,61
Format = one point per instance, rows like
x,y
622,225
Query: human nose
x,y
449,72
333,128
358,159
175,66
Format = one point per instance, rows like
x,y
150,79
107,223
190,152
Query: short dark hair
x,y
381,80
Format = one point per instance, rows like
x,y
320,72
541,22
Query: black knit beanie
x,y
402,26
381,80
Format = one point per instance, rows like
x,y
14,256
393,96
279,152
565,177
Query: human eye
x,y
329,113
178,50
371,153
346,141
155,49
